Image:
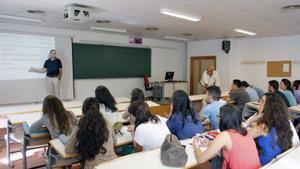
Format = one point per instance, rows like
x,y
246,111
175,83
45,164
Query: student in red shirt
x,y
235,144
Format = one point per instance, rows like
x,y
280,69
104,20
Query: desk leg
x,y
24,145
49,164
8,139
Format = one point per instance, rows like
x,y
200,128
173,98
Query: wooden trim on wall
x,y
192,59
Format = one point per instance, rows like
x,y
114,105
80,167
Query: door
x,y
197,66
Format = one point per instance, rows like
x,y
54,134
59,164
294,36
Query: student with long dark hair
x,y
149,130
286,87
93,137
272,128
184,121
136,95
107,104
55,117
106,100
296,89
235,144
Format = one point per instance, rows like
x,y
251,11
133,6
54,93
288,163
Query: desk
x,y
200,97
289,161
29,108
59,147
295,109
148,160
124,106
122,99
30,118
167,88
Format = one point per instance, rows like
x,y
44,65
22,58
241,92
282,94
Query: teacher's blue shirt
x,y
52,67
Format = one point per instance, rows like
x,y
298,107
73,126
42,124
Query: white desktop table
x,y
148,159
200,97
289,161
124,106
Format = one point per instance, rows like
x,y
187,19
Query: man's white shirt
x,y
212,80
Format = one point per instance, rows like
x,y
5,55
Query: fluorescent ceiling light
x,y
244,31
108,29
175,38
20,18
180,15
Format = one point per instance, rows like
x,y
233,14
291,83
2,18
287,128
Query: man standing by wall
x,y
53,69
210,77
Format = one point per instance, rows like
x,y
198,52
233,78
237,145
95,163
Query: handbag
x,y
172,152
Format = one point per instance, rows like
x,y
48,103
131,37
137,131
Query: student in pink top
x,y
236,146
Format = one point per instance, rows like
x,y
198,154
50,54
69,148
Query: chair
x,y
32,141
147,85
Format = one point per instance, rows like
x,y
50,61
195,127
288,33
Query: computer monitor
x,y
169,76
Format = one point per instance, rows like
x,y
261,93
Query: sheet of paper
x,y
286,67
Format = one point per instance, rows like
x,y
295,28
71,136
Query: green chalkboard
x,y
103,61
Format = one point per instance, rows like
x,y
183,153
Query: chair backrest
x,y
146,83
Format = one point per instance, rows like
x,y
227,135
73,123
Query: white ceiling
x,y
219,17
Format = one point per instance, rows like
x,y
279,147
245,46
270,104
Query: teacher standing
x,y
53,69
210,77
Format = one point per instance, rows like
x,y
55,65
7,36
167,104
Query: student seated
x,y
237,147
212,108
296,89
273,87
55,117
271,127
184,121
150,130
286,87
136,95
259,91
107,104
93,137
238,96
251,92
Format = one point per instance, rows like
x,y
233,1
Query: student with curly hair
x,y
271,127
93,138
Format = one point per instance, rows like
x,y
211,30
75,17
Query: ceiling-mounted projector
x,y
76,14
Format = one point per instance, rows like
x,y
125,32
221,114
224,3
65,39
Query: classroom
x,y
150,84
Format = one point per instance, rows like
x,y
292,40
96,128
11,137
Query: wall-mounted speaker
x,y
226,46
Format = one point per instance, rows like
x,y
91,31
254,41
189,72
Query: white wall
x,y
247,57
166,56
212,48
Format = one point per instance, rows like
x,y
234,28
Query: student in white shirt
x,y
150,130
210,77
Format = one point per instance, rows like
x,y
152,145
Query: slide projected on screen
x,y
20,52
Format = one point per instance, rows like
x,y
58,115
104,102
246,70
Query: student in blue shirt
x,y
184,120
212,109
286,87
